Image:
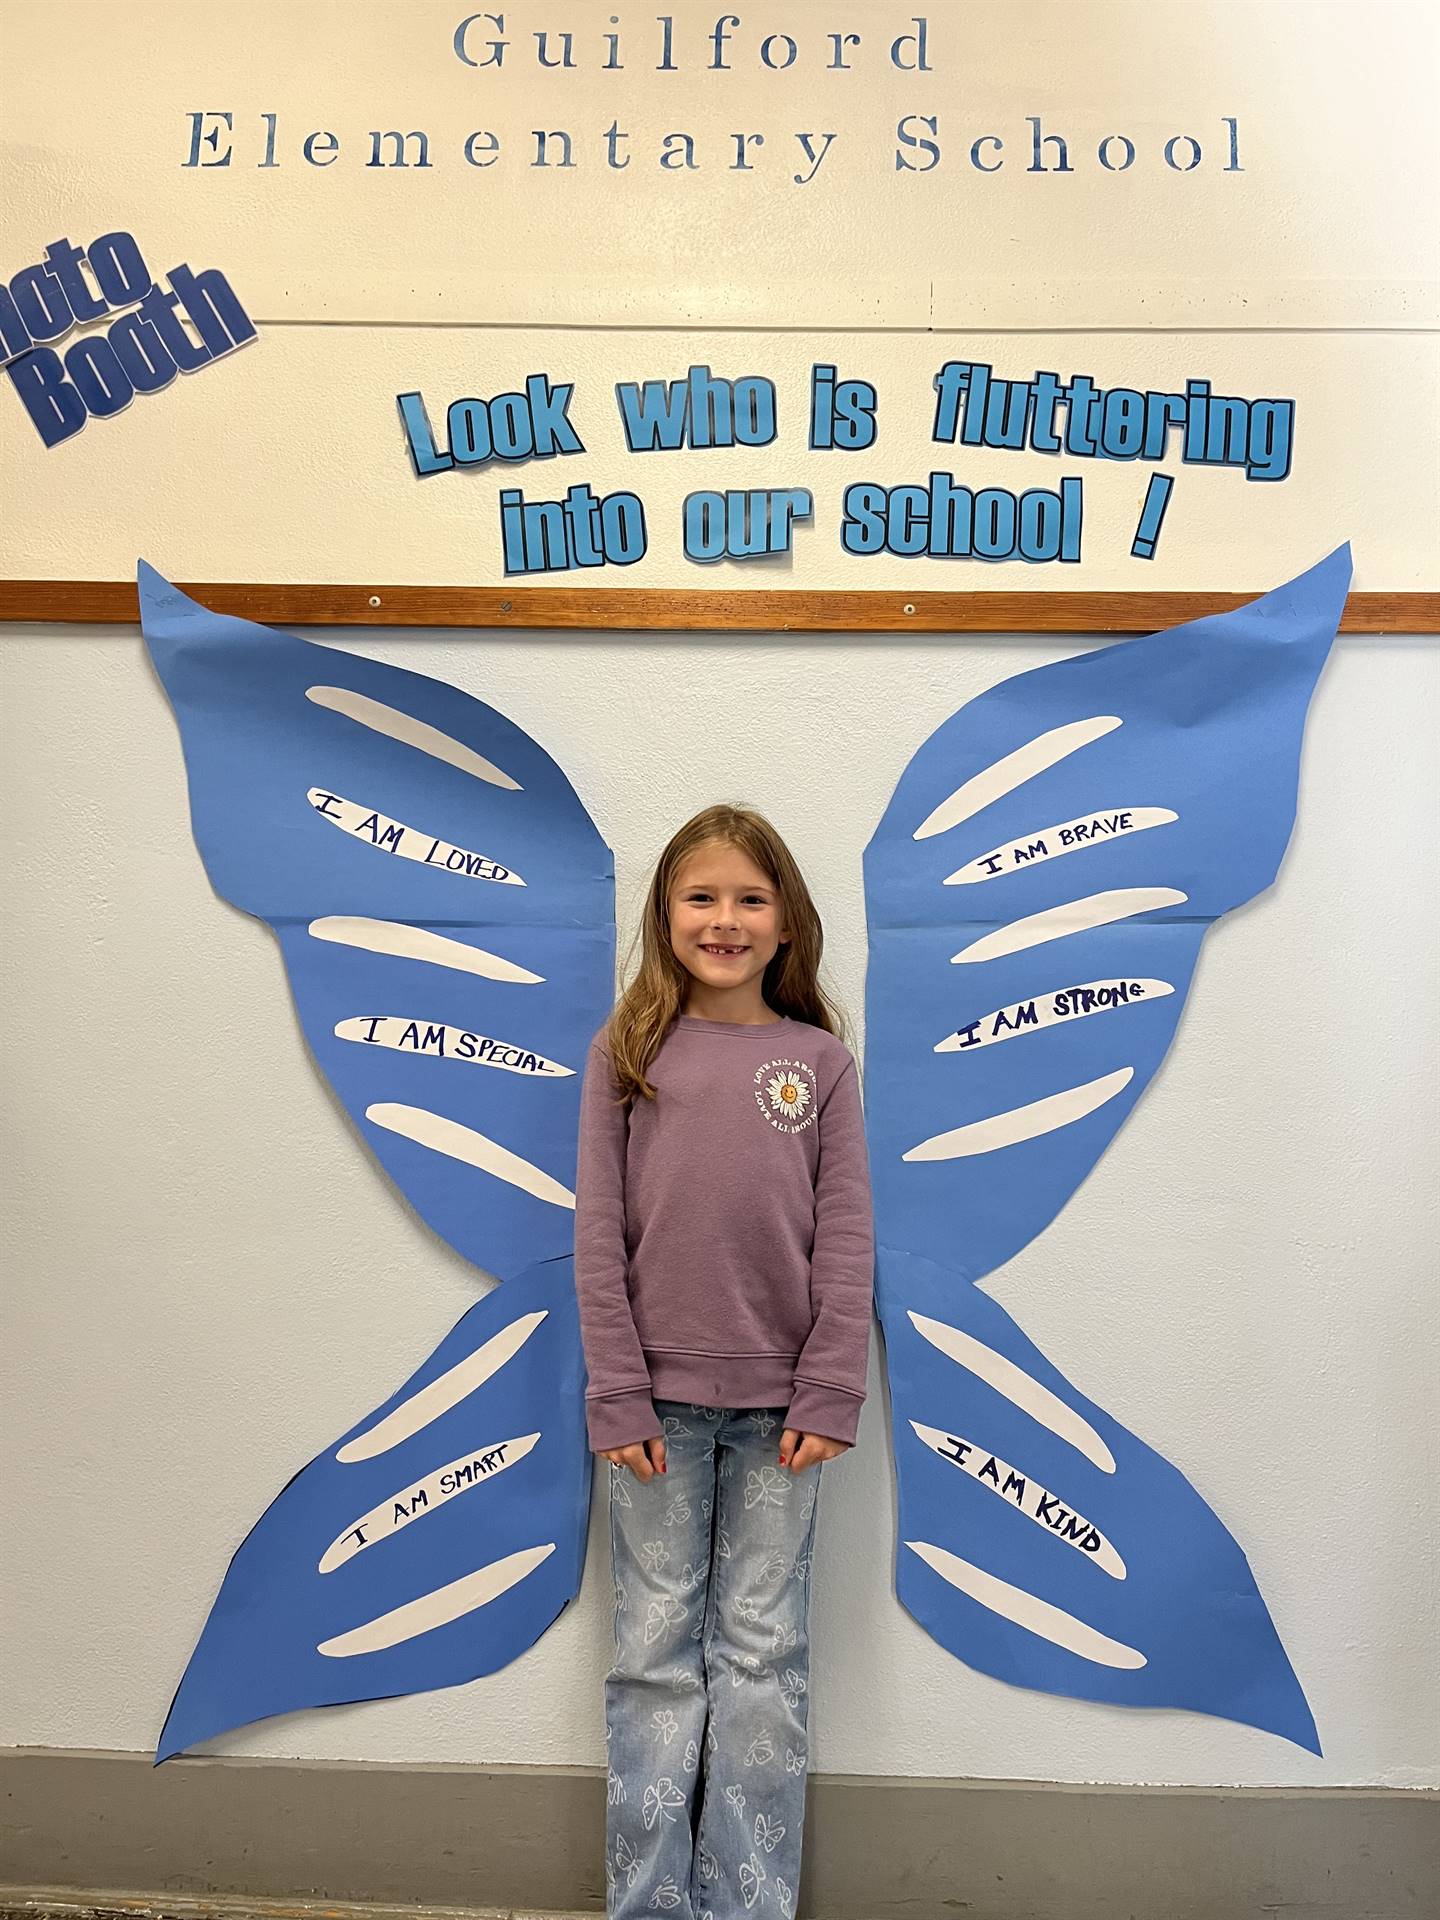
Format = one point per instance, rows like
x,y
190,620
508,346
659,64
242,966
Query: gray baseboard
x,y
876,1848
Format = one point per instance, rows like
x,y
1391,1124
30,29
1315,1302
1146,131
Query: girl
x,y
724,1260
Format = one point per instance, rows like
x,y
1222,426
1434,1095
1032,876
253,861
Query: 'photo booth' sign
x,y
138,338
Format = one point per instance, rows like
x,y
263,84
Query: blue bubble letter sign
x,y
141,352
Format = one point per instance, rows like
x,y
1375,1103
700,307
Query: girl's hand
x,y
644,1458
801,1450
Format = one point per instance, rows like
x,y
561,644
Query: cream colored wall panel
x,y
1281,172
287,461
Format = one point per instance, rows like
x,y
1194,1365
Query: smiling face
x,y
725,928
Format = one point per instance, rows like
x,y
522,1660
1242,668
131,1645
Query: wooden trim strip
x,y
803,610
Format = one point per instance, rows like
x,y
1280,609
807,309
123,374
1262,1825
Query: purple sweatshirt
x,y
724,1247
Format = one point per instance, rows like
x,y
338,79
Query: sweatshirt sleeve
x,y
618,1404
830,1372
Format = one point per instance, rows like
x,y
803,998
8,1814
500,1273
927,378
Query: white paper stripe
x,y
1051,1009
1020,1388
435,1041
445,1391
1034,848
1075,916
433,1130
476,1468
1028,1610
398,941
1026,1495
439,1608
375,829
404,727
1023,1123
995,781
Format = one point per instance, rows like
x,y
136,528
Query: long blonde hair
x,y
656,994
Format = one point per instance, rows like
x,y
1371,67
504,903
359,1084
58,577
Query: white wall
x,y
208,1279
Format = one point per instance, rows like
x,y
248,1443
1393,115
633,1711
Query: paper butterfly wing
x,y
1038,891
1043,1543
444,903
435,1542
445,908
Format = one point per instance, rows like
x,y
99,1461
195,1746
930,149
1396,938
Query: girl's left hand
x,y
801,1450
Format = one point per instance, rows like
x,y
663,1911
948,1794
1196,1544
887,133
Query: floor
x,y
63,1906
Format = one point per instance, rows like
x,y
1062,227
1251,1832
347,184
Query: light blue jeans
x,y
706,1705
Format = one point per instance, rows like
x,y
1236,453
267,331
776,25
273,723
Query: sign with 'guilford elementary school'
x,y
886,164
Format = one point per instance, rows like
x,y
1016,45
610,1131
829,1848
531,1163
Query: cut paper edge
x,y
445,1391
398,940
1013,1383
1073,916
471,1148
1018,1124
437,1608
396,724
1028,1610
1003,776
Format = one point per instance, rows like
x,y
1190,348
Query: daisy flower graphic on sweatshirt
x,y
788,1095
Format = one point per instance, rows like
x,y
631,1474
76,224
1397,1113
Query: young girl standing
x,y
724,1262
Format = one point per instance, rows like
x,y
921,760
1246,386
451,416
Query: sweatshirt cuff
x,y
830,1411
620,1419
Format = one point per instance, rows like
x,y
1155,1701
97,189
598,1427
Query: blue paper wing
x,y
1037,893
445,907
444,903
436,1541
1041,1542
